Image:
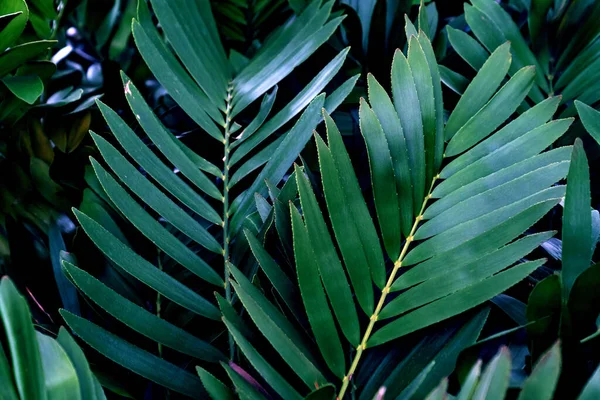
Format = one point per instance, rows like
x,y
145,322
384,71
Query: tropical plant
x,y
196,222
562,42
39,366
495,184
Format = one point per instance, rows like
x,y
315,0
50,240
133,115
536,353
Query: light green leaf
x,y
494,380
59,373
541,383
27,88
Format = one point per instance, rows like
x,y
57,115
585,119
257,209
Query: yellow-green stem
x,y
225,177
397,265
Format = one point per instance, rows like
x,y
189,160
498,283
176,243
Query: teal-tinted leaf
x,y
330,267
390,123
277,329
465,231
133,358
290,110
141,320
411,389
171,74
519,149
25,358
406,101
313,296
281,159
577,221
27,88
145,272
494,380
215,388
60,377
495,198
453,304
494,180
348,237
7,390
475,248
258,159
382,173
268,373
467,47
281,282
454,80
480,90
494,113
192,31
523,54
590,119
578,64
409,27
153,230
592,388
355,202
529,120
468,386
165,141
265,108
541,383
84,374
66,290
326,392
439,393
451,279
424,85
154,197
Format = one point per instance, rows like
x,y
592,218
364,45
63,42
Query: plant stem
x,y
397,265
226,205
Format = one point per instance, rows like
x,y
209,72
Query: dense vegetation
x,y
265,199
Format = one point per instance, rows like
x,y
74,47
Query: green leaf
x,y
453,80
84,374
330,267
453,304
156,199
192,31
541,383
390,123
313,295
439,393
592,388
468,386
265,108
143,271
354,200
7,390
326,392
475,248
452,279
25,358
424,85
529,120
503,195
517,150
577,221
243,387
492,114
60,376
465,231
133,358
467,47
215,388
382,173
494,380
268,373
171,74
480,90
141,320
165,141
27,88
18,55
153,230
281,282
16,13
590,119
277,329
66,290
406,101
